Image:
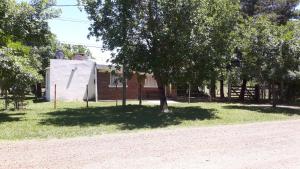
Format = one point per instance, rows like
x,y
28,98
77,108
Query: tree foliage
x,y
171,39
17,70
25,42
271,50
27,22
71,50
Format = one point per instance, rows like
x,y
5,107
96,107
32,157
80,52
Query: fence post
x,y
116,94
229,88
87,95
55,96
257,93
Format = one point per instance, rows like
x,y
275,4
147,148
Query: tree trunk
x,y
262,91
243,90
189,93
124,88
212,91
229,87
162,96
282,98
38,92
140,93
270,91
222,89
124,94
257,93
289,95
274,95
6,99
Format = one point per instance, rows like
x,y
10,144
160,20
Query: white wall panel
x,y
71,78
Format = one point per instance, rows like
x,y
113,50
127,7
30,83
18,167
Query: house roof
x,y
99,66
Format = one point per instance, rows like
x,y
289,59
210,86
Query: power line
x,y
81,44
72,20
66,5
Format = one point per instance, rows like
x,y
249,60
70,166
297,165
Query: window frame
x,y
119,85
151,85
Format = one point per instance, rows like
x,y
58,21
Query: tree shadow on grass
x,y
265,109
11,117
128,118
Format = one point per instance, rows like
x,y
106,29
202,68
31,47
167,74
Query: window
x,y
150,82
116,79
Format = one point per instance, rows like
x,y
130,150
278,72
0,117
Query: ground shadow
x,y
131,117
39,100
265,109
11,117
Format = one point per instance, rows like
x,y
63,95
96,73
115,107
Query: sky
x,y
72,28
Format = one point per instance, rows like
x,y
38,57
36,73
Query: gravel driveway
x,y
268,145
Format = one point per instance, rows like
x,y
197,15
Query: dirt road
x,y
268,145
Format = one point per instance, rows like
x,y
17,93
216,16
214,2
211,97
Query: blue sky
x,y
76,30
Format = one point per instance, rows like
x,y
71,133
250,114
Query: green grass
x,y
40,120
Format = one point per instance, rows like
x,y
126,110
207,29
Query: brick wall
x,y
105,92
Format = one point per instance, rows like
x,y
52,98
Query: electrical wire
x,y
71,20
81,44
66,5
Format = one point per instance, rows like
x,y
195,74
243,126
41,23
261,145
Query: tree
x,y
115,23
170,39
269,49
286,65
291,61
146,35
277,11
27,22
223,16
18,71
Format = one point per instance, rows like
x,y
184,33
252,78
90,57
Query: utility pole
x,y
55,96
87,95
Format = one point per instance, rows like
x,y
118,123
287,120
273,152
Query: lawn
x,y
40,120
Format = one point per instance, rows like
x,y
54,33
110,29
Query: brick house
x,y
70,79
109,90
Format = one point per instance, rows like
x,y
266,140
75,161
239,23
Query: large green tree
x,y
277,11
223,17
26,24
174,40
150,36
271,50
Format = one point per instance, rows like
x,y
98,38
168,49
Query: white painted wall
x,y
71,78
